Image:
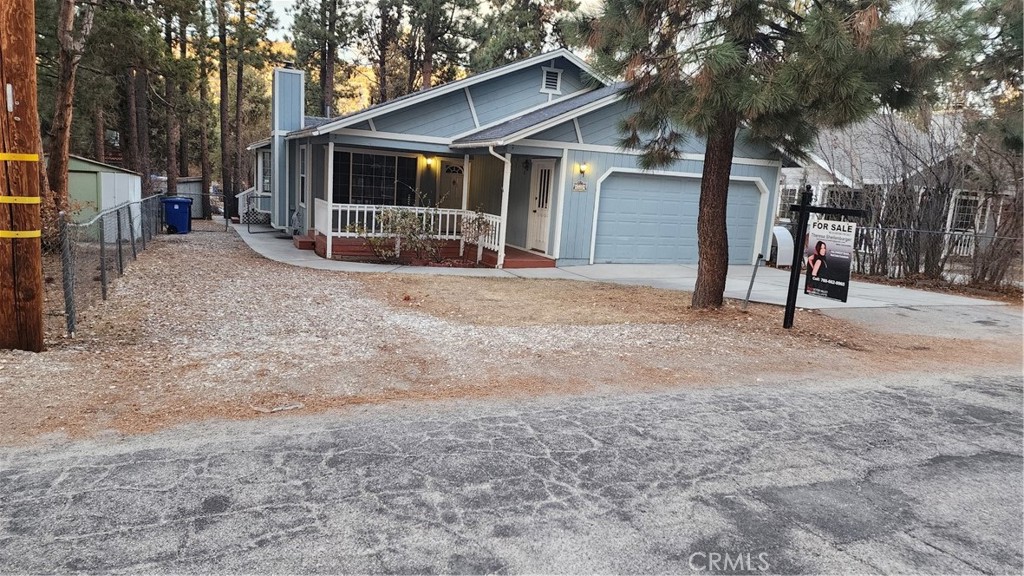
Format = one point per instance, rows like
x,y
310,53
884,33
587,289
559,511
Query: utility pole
x,y
21,269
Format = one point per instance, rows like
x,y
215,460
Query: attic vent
x,y
552,83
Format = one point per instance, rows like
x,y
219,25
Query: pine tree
x,y
321,28
438,37
779,69
518,30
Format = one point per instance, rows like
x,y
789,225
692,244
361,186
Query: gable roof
x,y
447,88
881,147
541,119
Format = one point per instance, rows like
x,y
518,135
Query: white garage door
x,y
647,219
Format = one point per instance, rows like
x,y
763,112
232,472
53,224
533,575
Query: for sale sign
x,y
827,253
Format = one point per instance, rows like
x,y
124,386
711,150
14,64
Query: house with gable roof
x,y
532,145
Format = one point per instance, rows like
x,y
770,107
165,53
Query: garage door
x,y
646,219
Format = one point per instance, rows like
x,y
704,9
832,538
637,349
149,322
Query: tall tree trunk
x,y
142,108
70,48
206,171
183,148
242,33
382,71
712,237
99,135
225,156
327,70
130,148
170,98
428,61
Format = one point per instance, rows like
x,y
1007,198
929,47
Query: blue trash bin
x,y
178,214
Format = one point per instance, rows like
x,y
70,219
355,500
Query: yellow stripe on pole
x,y
19,199
25,234
12,157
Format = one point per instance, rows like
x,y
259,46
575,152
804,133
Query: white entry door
x,y
538,223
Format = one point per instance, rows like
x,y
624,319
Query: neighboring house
x,y
533,145
860,166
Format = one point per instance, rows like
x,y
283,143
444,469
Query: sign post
x,y
804,210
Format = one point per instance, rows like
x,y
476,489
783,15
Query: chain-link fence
x,y
95,252
958,256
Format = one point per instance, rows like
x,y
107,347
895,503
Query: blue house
x,y
532,145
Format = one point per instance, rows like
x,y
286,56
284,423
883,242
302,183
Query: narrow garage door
x,y
647,219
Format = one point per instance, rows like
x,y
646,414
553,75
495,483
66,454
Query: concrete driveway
x,y
770,286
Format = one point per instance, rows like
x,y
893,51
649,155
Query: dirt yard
x,y
202,328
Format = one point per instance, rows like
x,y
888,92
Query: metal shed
x,y
94,186
192,187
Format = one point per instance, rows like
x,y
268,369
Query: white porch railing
x,y
320,216
252,203
491,238
359,220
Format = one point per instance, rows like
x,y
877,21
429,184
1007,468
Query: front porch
x,y
343,231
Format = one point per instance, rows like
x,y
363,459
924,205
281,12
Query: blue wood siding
x,y
485,184
564,132
506,95
744,148
574,79
442,116
518,202
288,96
601,127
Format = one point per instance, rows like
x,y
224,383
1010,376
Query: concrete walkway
x,y
769,287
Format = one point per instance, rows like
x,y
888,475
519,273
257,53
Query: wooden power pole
x,y
21,269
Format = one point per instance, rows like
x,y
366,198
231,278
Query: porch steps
x,y
516,258
304,242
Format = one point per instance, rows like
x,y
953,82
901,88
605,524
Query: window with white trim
x,y
965,212
302,175
788,195
551,81
265,170
374,178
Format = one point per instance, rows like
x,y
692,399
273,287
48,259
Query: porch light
x,y
430,161
583,168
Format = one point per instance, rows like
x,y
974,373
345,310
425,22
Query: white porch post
x,y
330,199
506,180
465,202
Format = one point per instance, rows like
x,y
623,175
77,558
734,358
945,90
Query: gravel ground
x,y
201,327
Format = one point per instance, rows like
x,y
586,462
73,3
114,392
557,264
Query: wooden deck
x,y
516,258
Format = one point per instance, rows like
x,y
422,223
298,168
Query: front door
x,y
450,191
538,223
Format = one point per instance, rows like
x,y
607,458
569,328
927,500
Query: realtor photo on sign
x,y
827,254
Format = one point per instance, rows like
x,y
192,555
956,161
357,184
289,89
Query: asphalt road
x,y
909,475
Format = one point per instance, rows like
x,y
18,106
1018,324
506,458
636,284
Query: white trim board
x,y
616,150
472,107
563,183
758,182
386,136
